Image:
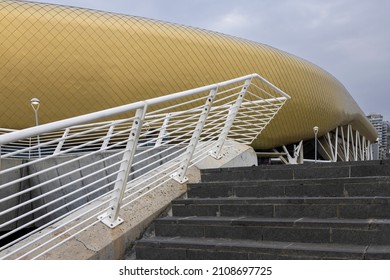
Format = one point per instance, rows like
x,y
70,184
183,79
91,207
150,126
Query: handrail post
x,y
61,143
29,146
110,218
163,131
233,110
180,174
108,135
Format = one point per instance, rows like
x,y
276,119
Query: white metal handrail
x,y
109,164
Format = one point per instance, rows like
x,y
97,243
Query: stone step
x,y
286,207
342,187
310,211
301,171
185,248
347,231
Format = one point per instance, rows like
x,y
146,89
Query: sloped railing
x,y
109,159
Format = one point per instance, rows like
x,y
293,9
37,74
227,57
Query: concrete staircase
x,y
311,211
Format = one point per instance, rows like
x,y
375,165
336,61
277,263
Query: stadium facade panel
x,y
78,61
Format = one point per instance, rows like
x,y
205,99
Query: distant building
x,y
387,125
383,129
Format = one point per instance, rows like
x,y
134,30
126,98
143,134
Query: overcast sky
x,y
348,38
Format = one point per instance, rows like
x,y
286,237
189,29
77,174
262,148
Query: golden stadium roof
x,y
78,61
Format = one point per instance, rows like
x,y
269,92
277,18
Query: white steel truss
x,y
345,144
341,144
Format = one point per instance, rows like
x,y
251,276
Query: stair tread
x,y
257,200
304,171
254,246
298,222
318,165
255,182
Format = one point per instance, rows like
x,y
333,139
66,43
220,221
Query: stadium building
x,y
77,61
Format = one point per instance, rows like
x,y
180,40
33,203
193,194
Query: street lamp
x,y
315,129
35,105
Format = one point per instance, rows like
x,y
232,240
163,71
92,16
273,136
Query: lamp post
x,y
315,129
35,105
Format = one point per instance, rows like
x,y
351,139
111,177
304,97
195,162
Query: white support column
x,y
297,157
360,147
216,152
369,150
163,130
344,144
348,151
290,159
324,149
357,146
363,148
353,143
61,143
336,145
330,146
300,154
108,137
180,174
110,218
280,156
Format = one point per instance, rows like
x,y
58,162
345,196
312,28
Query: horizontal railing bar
x,y
67,230
232,96
146,166
268,101
164,151
246,118
241,132
45,158
59,198
55,201
257,109
167,109
57,209
62,139
47,169
63,216
74,148
263,101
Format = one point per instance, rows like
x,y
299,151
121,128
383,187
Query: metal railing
x,y
109,159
